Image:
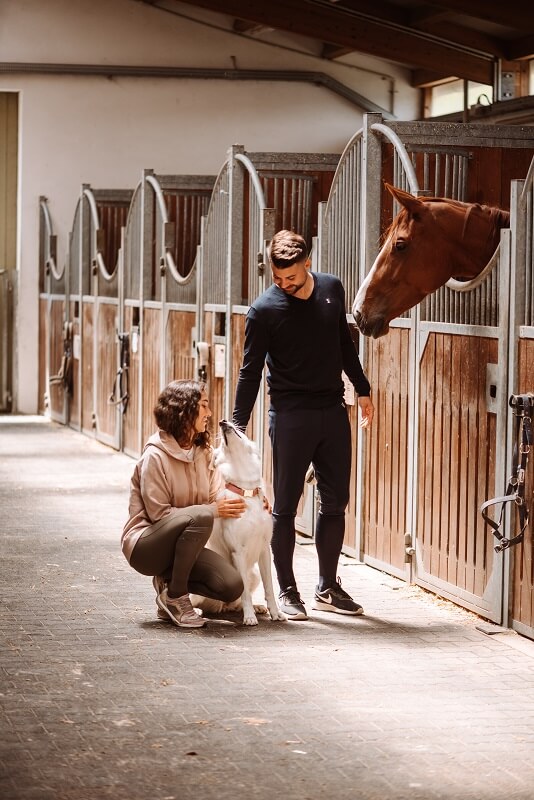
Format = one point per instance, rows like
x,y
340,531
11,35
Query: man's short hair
x,y
287,247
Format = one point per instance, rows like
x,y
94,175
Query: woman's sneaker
x,y
291,604
179,610
159,584
337,600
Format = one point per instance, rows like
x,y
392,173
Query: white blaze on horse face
x,y
359,300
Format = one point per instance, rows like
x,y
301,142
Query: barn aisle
x,y
98,698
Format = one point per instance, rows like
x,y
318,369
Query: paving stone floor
x,y
99,699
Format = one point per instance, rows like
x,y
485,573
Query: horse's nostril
x,y
359,319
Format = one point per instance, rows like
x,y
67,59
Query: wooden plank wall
x,y
215,386
385,490
56,393
522,600
457,455
112,217
8,179
88,307
180,362
75,398
489,174
43,343
130,420
106,416
151,344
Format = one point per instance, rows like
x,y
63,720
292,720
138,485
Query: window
x,y
448,98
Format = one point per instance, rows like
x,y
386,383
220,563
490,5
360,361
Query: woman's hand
x,y
228,507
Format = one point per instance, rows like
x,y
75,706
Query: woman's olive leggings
x,y
174,548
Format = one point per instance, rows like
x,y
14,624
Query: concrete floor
x,y
99,699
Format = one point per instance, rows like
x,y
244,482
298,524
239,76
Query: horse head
x,y
430,240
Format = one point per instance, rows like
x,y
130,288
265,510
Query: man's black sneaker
x,y
337,600
291,604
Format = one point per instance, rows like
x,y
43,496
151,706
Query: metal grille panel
x,y
342,220
132,247
479,306
215,245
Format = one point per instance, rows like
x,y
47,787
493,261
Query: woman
x,y
173,502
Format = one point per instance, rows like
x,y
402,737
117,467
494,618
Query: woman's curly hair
x,y
177,409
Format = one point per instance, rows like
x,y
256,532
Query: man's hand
x,y
367,410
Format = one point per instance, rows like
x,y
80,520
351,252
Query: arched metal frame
x,y
476,316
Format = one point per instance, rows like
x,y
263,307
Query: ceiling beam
x,y
467,37
375,8
423,78
520,48
332,51
430,19
242,26
336,26
513,14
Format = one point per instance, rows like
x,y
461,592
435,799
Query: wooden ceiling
x,y
437,40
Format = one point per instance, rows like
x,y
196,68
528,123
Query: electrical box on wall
x,y
220,361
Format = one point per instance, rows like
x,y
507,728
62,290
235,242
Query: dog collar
x,y
243,492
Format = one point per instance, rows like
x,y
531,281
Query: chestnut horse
x,y
431,240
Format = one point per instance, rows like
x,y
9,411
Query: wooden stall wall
x,y
522,595
293,185
43,339
112,210
54,386
77,253
131,434
386,489
187,201
414,524
522,382
45,234
180,359
461,432
437,448
87,356
151,359
95,244
457,461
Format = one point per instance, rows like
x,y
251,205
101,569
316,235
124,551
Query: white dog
x,y
244,541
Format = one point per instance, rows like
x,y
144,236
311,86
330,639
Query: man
x,y
299,327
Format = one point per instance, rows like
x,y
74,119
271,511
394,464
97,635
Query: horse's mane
x,y
498,217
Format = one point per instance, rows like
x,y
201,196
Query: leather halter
x,y
243,492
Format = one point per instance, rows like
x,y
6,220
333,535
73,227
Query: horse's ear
x,y
410,203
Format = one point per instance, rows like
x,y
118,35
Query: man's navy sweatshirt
x,y
306,345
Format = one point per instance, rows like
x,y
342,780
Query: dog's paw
x,y
277,616
259,608
250,620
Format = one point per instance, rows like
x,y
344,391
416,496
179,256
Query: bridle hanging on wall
x,y
523,411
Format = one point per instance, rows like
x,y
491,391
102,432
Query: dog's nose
x,y
224,425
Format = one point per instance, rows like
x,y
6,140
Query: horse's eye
x,y
400,244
